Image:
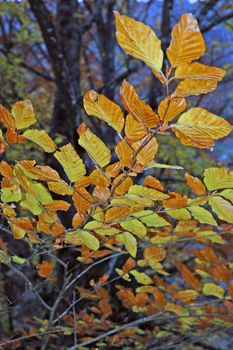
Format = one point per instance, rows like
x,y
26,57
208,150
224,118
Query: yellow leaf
x,y
194,87
94,146
71,162
141,112
151,219
18,232
218,178
23,114
41,138
134,226
202,215
179,214
132,200
222,208
187,43
129,241
195,184
60,187
148,193
103,108
198,127
139,40
213,289
227,194
141,277
169,109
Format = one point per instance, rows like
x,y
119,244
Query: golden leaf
x,y
198,127
41,138
23,114
71,162
199,71
169,109
187,43
139,41
195,87
104,109
142,112
94,146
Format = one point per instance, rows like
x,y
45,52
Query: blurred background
x,y
53,51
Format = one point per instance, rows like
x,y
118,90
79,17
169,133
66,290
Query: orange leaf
x,y
152,182
101,193
195,184
138,108
124,153
187,43
6,118
169,109
188,276
134,129
45,269
175,201
58,205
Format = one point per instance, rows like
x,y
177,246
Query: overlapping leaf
x,y
103,108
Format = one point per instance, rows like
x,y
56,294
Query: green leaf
x,y
42,194
202,215
179,214
222,208
154,164
227,194
82,236
11,194
151,219
213,289
31,204
141,277
134,226
18,260
41,138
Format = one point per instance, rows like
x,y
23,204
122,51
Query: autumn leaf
x,y
169,108
71,162
139,41
198,127
45,269
213,289
41,138
187,43
195,184
104,109
222,208
138,109
218,178
23,114
94,146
